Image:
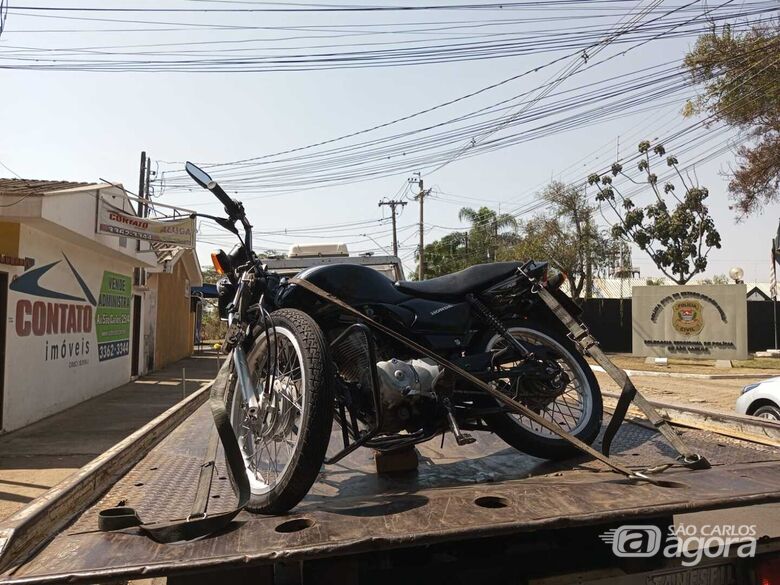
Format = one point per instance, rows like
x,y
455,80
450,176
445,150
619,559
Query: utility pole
x,y
144,177
147,190
141,183
393,204
421,198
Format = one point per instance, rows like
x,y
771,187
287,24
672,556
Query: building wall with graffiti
x,y
68,330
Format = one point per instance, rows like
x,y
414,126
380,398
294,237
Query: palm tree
x,y
486,228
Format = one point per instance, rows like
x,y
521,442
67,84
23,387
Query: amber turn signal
x,y
215,261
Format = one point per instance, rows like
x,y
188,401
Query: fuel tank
x,y
354,284
370,291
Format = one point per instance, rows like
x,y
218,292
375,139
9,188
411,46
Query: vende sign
x,y
117,222
702,321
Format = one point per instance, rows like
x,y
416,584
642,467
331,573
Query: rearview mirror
x,y
200,176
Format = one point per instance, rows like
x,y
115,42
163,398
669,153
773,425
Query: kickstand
x,y
461,438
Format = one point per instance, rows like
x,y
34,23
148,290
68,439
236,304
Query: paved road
x,y
37,457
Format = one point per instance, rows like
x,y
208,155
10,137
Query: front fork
x,y
256,404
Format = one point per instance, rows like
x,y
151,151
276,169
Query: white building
x,y
71,313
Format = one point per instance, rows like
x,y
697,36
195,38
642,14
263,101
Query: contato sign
x,y
704,321
117,222
64,321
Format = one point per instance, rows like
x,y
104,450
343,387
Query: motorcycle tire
x,y
303,394
540,442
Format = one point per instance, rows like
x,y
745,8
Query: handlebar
x,y
231,208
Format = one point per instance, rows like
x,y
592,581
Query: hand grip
x,y
230,206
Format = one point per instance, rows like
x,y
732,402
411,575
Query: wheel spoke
x,y
569,408
269,445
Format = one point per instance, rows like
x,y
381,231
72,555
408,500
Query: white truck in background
x,y
303,256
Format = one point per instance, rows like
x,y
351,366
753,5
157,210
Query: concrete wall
x,y
53,356
174,339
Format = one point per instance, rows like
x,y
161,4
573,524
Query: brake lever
x,y
228,223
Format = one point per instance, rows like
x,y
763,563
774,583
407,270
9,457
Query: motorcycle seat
x,y
459,284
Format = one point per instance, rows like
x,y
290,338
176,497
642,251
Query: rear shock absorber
x,y
496,324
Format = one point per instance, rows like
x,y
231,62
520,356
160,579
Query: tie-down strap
x,y
579,333
498,395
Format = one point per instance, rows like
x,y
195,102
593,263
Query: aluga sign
x,y
114,221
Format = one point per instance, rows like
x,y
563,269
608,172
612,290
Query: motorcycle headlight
x,y
749,387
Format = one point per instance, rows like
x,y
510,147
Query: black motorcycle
x,y
338,342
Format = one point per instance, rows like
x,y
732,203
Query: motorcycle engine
x,y
406,388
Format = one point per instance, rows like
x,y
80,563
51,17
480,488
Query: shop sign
x,y
117,222
65,321
112,318
16,261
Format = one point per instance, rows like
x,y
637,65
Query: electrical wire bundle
x,y
579,36
306,47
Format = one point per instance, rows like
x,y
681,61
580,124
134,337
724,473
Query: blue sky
x,y
87,125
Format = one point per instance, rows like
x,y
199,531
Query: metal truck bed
x,y
474,492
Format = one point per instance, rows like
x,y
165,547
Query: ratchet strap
x,y
498,395
579,333
198,523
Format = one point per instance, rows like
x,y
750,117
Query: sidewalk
x,y
39,456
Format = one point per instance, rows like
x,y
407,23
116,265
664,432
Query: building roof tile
x,y
26,187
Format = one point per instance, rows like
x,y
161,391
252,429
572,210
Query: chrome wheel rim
x,y
573,408
269,445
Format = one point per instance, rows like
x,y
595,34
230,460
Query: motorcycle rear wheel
x,y
284,452
578,410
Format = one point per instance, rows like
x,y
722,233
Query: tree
x,y
568,236
571,205
545,237
741,79
481,243
678,238
446,255
212,327
210,275
485,235
717,279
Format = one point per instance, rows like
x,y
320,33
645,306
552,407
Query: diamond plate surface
x,y
163,485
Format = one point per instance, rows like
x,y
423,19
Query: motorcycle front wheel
x,y
283,452
577,409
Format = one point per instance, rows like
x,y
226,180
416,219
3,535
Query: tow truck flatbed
x,y
458,494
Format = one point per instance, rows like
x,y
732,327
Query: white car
x,y
761,399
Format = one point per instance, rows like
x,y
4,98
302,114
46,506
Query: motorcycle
x,y
343,343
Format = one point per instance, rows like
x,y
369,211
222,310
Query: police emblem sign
x,y
704,321
687,317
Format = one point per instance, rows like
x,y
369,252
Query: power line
x,y
2,164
